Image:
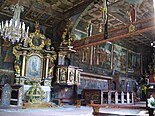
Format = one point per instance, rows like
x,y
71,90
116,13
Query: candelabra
x,y
14,30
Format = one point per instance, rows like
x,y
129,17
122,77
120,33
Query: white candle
x,y
16,23
23,26
2,24
6,23
27,29
10,23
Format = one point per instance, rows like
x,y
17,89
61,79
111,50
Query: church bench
x,y
96,108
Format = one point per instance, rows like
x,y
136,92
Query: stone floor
x,y
69,110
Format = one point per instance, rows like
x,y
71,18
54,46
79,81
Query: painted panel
x,y
34,67
120,58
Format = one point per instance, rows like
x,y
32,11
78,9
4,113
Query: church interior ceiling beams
x,y
140,36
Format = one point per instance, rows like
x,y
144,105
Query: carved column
x,y
47,65
23,64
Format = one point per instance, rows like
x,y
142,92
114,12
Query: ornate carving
x,y
67,38
48,43
131,28
35,94
17,62
36,39
16,50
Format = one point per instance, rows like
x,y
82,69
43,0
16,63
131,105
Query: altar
x,y
34,65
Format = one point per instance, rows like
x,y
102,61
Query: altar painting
x,y
34,67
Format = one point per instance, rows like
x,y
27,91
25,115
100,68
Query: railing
x,y
109,97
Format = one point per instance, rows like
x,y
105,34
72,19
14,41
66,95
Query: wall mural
x,y
134,62
103,55
85,54
124,60
120,58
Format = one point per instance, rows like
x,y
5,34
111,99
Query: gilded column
x,y
47,64
23,64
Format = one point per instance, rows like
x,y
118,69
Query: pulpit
x,y
67,75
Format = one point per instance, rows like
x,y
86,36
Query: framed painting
x,y
34,67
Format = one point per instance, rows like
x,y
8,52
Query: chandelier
x,y
153,44
14,30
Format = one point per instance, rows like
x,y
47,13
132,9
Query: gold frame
x,y
41,67
36,34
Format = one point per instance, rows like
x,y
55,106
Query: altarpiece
x,y
34,65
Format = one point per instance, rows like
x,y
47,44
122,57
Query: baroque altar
x,y
34,66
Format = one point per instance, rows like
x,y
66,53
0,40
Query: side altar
x,y
34,66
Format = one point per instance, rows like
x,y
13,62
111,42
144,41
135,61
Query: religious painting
x,y
120,58
86,55
117,57
36,41
137,62
134,62
6,55
34,67
130,61
123,60
103,55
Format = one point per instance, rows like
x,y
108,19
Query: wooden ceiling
x,y
51,13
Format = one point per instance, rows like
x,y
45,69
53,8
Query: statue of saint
x,y
17,67
132,14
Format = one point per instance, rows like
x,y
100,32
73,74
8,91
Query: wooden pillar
x,y
23,64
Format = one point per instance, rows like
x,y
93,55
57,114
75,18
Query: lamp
x,y
14,30
153,44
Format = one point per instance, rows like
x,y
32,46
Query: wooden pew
x,y
96,108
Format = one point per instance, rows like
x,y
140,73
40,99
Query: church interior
x,y
96,53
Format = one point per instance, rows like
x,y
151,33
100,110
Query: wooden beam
x,y
77,9
141,26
